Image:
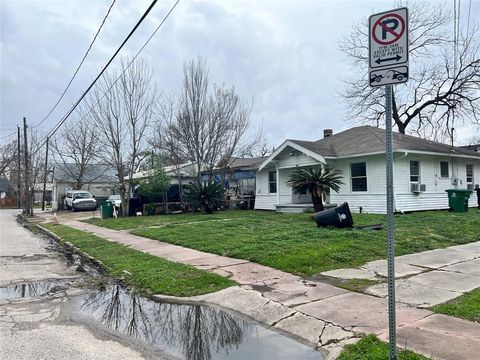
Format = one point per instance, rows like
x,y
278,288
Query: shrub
x,y
208,196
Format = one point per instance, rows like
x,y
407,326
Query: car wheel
x,y
74,209
400,77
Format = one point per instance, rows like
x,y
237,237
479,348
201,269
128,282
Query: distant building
x,y
474,147
239,175
4,187
99,179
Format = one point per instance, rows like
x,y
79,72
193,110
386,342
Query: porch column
x,y
278,184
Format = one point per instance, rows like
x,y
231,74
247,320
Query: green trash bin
x,y
458,199
106,210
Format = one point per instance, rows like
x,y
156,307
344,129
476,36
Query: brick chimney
x,y
327,132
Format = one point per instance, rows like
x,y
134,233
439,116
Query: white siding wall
x,y
264,200
372,200
435,196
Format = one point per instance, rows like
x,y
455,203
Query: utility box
x,y
458,199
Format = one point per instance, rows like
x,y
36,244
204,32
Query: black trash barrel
x,y
340,217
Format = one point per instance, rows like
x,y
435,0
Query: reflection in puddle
x,y
192,332
26,290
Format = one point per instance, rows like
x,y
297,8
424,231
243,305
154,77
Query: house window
x,y
415,171
444,169
469,174
358,172
272,182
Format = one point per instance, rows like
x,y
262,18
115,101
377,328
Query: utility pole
x,y
44,198
27,170
19,171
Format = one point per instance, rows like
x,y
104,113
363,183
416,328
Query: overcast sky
x,y
282,54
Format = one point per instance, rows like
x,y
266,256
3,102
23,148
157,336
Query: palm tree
x,y
316,182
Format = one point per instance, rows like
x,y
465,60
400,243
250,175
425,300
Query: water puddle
x,y
192,332
31,289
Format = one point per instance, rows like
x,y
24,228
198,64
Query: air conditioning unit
x,y
415,188
470,187
423,187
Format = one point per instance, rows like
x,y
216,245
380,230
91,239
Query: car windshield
x,y
83,195
114,197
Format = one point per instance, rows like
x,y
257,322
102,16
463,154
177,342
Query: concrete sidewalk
x,y
424,279
314,312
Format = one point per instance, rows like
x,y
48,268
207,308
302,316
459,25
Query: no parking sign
x,y
388,47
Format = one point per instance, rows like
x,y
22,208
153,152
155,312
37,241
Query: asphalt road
x,y
41,327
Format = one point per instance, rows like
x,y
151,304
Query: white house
x,y
423,170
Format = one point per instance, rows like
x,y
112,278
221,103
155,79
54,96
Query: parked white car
x,y
80,200
115,200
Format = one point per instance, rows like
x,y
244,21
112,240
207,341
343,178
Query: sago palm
x,y
316,181
208,196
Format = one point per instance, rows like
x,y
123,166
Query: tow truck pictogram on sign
x,y
388,44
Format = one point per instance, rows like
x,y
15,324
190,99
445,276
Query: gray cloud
x,y
283,54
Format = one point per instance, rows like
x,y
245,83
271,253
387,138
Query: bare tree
x,y
8,158
122,117
76,147
208,125
444,76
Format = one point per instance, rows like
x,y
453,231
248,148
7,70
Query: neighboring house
x,y
239,175
474,147
183,173
4,187
38,193
423,170
7,197
180,175
99,179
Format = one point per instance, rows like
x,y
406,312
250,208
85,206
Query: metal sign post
x,y
390,235
388,65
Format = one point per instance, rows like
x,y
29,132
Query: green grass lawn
x,y
466,306
163,220
148,273
293,243
371,348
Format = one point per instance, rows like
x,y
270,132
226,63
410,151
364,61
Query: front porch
x,y
292,208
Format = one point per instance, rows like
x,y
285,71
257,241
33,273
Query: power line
x,y
468,19
6,136
131,61
74,75
60,123
78,67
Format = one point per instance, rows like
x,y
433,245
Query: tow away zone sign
x,y
388,47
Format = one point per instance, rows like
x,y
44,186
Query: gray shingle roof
x,y
368,139
94,173
246,163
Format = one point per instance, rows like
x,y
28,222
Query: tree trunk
x,y
317,203
208,210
